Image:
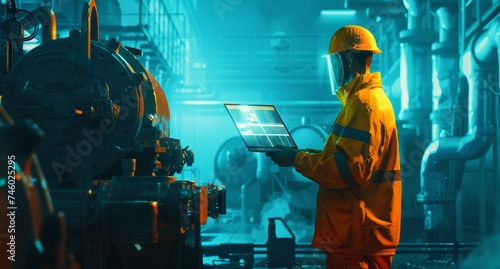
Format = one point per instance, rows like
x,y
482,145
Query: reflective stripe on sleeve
x,y
351,133
345,172
336,129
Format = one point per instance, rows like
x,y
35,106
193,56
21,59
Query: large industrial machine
x,y
106,154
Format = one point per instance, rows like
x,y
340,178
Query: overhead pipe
x,y
478,65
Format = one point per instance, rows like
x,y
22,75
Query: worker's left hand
x,y
283,157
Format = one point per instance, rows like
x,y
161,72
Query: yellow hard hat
x,y
353,37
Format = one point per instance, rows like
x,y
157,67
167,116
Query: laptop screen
x,y
260,126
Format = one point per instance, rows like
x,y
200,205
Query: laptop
x,y
260,126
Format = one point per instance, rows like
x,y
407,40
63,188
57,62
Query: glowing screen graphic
x,y
260,126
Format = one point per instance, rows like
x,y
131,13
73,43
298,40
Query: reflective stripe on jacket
x,y
359,199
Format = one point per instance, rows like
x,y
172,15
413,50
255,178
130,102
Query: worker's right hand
x,y
284,157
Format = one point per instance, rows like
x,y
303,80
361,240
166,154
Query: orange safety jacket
x,y
359,199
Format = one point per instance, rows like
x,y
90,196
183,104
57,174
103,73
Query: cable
x,y
267,261
263,262
35,25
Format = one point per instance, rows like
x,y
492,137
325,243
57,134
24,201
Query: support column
x,y
416,105
416,66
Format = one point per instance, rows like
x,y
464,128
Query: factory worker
x,y
358,170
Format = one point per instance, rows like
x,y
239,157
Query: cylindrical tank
x,y
235,168
302,190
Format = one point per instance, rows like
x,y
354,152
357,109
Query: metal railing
x,y
476,14
159,26
454,251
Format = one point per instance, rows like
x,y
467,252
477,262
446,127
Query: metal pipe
x,y
445,84
235,250
416,91
243,204
447,24
416,75
476,64
482,198
496,158
459,217
445,74
89,26
496,162
45,17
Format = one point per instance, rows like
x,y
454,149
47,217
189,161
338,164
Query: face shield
x,y
337,71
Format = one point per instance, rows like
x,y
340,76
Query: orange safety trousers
x,y
345,261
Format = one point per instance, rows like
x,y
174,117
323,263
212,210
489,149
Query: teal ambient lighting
x,y
338,12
